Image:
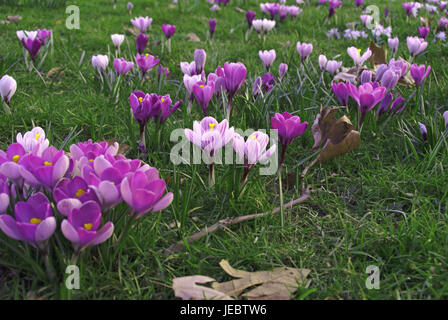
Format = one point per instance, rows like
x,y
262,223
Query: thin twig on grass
x,y
222,224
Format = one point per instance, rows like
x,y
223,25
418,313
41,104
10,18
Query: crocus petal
x,y
45,229
9,227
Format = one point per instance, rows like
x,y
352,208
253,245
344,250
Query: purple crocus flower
x,y
72,193
122,67
144,192
81,227
443,23
445,116
268,80
168,30
250,16
253,150
408,6
367,96
43,35
289,127
142,23
234,75
212,26
423,32
144,106
334,4
45,170
34,222
188,68
341,91
8,87
398,105
390,79
282,69
4,196
268,57
32,45
141,42
11,161
204,93
416,45
366,76
129,6
304,50
359,3
256,87
146,62
200,57
423,131
419,73
393,44
386,12
165,108
384,105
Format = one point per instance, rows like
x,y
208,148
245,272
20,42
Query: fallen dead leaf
x,y
123,148
134,31
277,284
327,127
193,37
186,288
14,18
378,54
350,143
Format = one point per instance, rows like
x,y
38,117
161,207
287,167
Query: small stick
x,y
222,224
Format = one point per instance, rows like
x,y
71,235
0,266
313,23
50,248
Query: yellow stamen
x,y
35,220
140,99
359,51
88,226
48,163
80,192
211,125
202,86
254,137
147,55
91,160
16,158
163,99
37,135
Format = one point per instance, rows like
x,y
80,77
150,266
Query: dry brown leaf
x,y
351,142
425,22
193,37
54,73
134,31
123,148
378,54
277,284
187,289
327,127
14,18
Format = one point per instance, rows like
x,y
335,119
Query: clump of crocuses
x,y
41,185
145,106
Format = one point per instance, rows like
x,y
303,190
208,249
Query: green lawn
x,y
383,204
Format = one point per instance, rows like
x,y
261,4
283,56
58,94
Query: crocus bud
x,y
250,15
366,76
142,41
256,87
390,79
423,130
212,26
322,62
8,87
117,39
168,30
416,45
282,69
304,50
333,66
419,73
423,31
267,57
129,6
199,58
443,23
445,116
384,105
393,44
341,92
100,62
